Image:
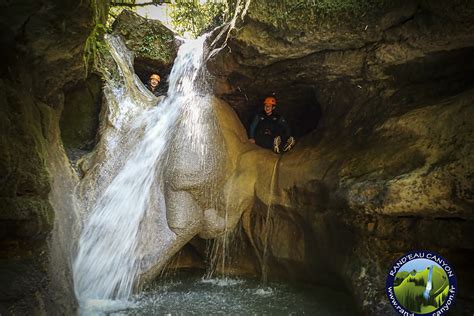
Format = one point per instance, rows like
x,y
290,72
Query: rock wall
x,y
385,166
381,98
80,117
153,44
42,54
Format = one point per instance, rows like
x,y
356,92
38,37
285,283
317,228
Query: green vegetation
x,y
92,47
410,291
441,297
400,277
132,3
114,12
156,46
194,18
190,18
148,39
291,14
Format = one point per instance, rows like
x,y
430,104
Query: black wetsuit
x,y
264,128
159,90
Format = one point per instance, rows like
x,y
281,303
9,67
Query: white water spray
x,y
111,252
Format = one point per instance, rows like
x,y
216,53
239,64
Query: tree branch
x,y
133,5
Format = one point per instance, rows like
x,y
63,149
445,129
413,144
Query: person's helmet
x,y
270,101
155,76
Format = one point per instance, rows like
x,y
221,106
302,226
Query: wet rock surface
x,y
381,101
382,109
314,222
391,53
80,117
385,165
42,54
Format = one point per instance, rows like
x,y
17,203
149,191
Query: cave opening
x,y
297,103
144,68
381,103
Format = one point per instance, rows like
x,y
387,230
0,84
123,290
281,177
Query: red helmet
x,y
270,101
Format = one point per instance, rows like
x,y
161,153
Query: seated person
x,y
270,130
154,85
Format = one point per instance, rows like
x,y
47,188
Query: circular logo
x,y
421,283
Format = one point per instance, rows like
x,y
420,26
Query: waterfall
x,y
268,222
126,230
429,284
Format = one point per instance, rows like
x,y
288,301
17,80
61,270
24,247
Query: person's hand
x,y
252,140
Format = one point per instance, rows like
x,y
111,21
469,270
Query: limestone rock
x,y
80,117
382,103
153,44
43,56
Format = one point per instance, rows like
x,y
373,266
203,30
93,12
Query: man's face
x,y
154,82
268,108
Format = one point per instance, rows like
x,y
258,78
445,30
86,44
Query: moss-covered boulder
x,y
153,44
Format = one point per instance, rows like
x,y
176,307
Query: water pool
x,y
193,295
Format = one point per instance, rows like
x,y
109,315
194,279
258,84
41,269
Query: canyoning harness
x,y
270,131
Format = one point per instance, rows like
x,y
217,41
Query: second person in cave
x,y
270,130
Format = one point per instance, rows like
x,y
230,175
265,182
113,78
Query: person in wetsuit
x,y
153,85
270,130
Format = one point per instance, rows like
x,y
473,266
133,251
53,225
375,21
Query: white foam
x,y
97,307
222,281
264,291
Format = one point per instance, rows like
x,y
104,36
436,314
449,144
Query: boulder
x,y
153,44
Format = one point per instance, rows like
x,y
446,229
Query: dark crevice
x,y
79,121
452,219
402,22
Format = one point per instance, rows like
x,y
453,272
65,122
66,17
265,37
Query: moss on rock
x,y
304,15
148,39
80,116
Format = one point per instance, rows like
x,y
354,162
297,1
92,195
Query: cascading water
x,y
429,284
158,177
268,223
117,244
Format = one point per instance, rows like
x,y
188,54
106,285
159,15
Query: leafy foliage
x,y
190,18
155,46
117,6
193,17
114,12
